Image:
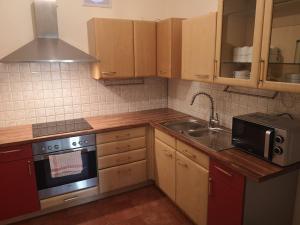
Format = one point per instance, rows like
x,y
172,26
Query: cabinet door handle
x,y
202,76
210,186
11,151
109,73
224,171
29,168
162,72
169,155
71,199
215,68
190,155
262,71
182,164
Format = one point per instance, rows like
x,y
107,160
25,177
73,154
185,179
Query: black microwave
x,y
269,137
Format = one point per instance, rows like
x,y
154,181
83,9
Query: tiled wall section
x,y
34,93
227,105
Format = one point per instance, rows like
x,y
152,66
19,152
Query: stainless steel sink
x,y
215,138
187,125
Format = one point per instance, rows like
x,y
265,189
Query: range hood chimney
x,y
47,47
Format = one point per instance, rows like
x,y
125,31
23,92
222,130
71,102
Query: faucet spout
x,y
212,119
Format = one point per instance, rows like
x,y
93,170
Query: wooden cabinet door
x,y
112,40
165,168
226,200
145,48
238,42
18,192
192,189
169,44
198,48
280,56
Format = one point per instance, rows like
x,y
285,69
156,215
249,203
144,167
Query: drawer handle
x,y
224,171
124,148
124,159
123,136
169,154
189,154
11,151
124,171
71,199
182,164
162,72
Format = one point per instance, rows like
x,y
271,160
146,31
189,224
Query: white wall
x,y
16,20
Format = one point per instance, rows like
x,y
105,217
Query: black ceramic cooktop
x,y
59,127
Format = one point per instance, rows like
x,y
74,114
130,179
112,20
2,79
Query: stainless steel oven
x,y
49,186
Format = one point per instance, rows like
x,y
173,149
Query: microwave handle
x,y
267,143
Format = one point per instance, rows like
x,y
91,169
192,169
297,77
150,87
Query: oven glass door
x,y
253,138
49,186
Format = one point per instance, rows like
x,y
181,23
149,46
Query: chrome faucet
x,y
214,118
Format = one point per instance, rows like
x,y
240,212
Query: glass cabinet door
x,y
239,42
281,46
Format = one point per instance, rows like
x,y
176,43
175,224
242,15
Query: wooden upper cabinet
x,y
238,43
198,48
169,42
281,46
145,48
111,41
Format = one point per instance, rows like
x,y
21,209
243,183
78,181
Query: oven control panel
x,y
64,144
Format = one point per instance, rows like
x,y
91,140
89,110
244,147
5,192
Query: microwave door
x,y
253,138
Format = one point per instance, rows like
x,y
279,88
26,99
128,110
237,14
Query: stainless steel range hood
x,y
47,47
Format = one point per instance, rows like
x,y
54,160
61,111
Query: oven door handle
x,y
268,135
46,156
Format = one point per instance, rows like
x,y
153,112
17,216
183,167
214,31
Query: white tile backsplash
x,y
40,92
180,93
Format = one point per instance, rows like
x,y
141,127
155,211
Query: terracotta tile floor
x,y
146,206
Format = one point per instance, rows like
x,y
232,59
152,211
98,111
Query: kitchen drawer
x,y
122,176
69,198
226,175
121,146
121,135
121,158
15,153
167,139
192,153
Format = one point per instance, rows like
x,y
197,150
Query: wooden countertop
x,y
248,165
17,135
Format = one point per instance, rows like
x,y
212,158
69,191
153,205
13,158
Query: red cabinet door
x,y
18,192
226,198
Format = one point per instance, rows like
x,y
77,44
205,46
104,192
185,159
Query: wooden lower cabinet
x,y
192,189
122,176
165,168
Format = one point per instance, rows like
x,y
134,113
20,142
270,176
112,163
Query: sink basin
x,y
207,131
187,125
215,138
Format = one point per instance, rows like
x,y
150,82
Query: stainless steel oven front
x,y
49,186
